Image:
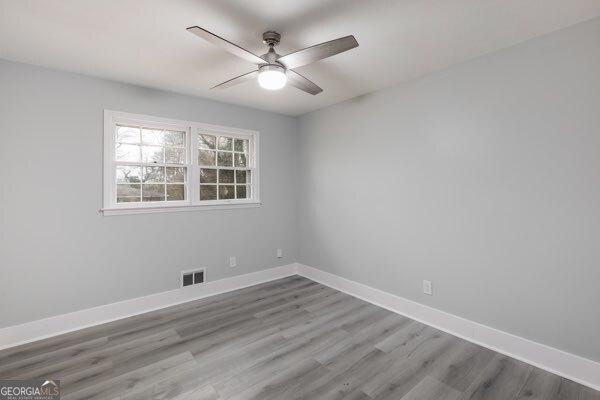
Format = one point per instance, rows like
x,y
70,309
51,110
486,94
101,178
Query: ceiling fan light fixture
x,y
271,77
274,70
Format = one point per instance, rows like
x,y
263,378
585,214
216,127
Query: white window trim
x,y
111,207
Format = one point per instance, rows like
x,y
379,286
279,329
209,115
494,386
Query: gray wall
x,y
57,254
484,179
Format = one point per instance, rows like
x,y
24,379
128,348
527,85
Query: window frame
x,y
192,201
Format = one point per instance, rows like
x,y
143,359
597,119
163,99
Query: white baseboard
x,y
576,368
57,325
570,366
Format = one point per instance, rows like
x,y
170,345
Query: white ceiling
x,y
145,41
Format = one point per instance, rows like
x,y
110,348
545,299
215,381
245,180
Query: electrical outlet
x,y
279,253
233,261
427,289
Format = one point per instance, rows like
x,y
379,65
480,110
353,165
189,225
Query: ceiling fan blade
x,y
318,52
297,80
226,45
237,80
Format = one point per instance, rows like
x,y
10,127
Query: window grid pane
x,y
208,142
225,159
208,175
153,192
153,174
226,192
225,143
208,192
175,192
174,155
160,137
206,158
241,145
242,191
223,172
226,176
137,181
241,160
175,174
129,174
127,152
127,134
128,193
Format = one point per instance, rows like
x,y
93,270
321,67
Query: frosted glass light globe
x,y
271,77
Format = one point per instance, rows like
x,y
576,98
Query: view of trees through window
x,y
150,164
223,163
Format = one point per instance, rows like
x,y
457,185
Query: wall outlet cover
x,y
427,288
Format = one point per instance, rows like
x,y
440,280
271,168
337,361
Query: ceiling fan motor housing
x,y
271,38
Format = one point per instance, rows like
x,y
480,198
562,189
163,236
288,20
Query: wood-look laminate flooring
x,y
287,339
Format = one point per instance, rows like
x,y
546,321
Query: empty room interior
x,y
281,200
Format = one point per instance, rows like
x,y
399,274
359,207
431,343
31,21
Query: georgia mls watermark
x,y
30,389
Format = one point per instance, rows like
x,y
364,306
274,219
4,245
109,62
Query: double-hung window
x,y
157,164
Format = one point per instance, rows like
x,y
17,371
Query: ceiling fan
x,y
274,70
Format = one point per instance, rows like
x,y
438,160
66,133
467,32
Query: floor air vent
x,y
192,277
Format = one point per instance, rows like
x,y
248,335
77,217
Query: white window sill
x,y
162,209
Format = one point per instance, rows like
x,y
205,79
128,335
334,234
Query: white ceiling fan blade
x,y
300,82
237,80
225,45
318,52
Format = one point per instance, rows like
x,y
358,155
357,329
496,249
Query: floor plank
x,y
288,339
502,379
432,389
